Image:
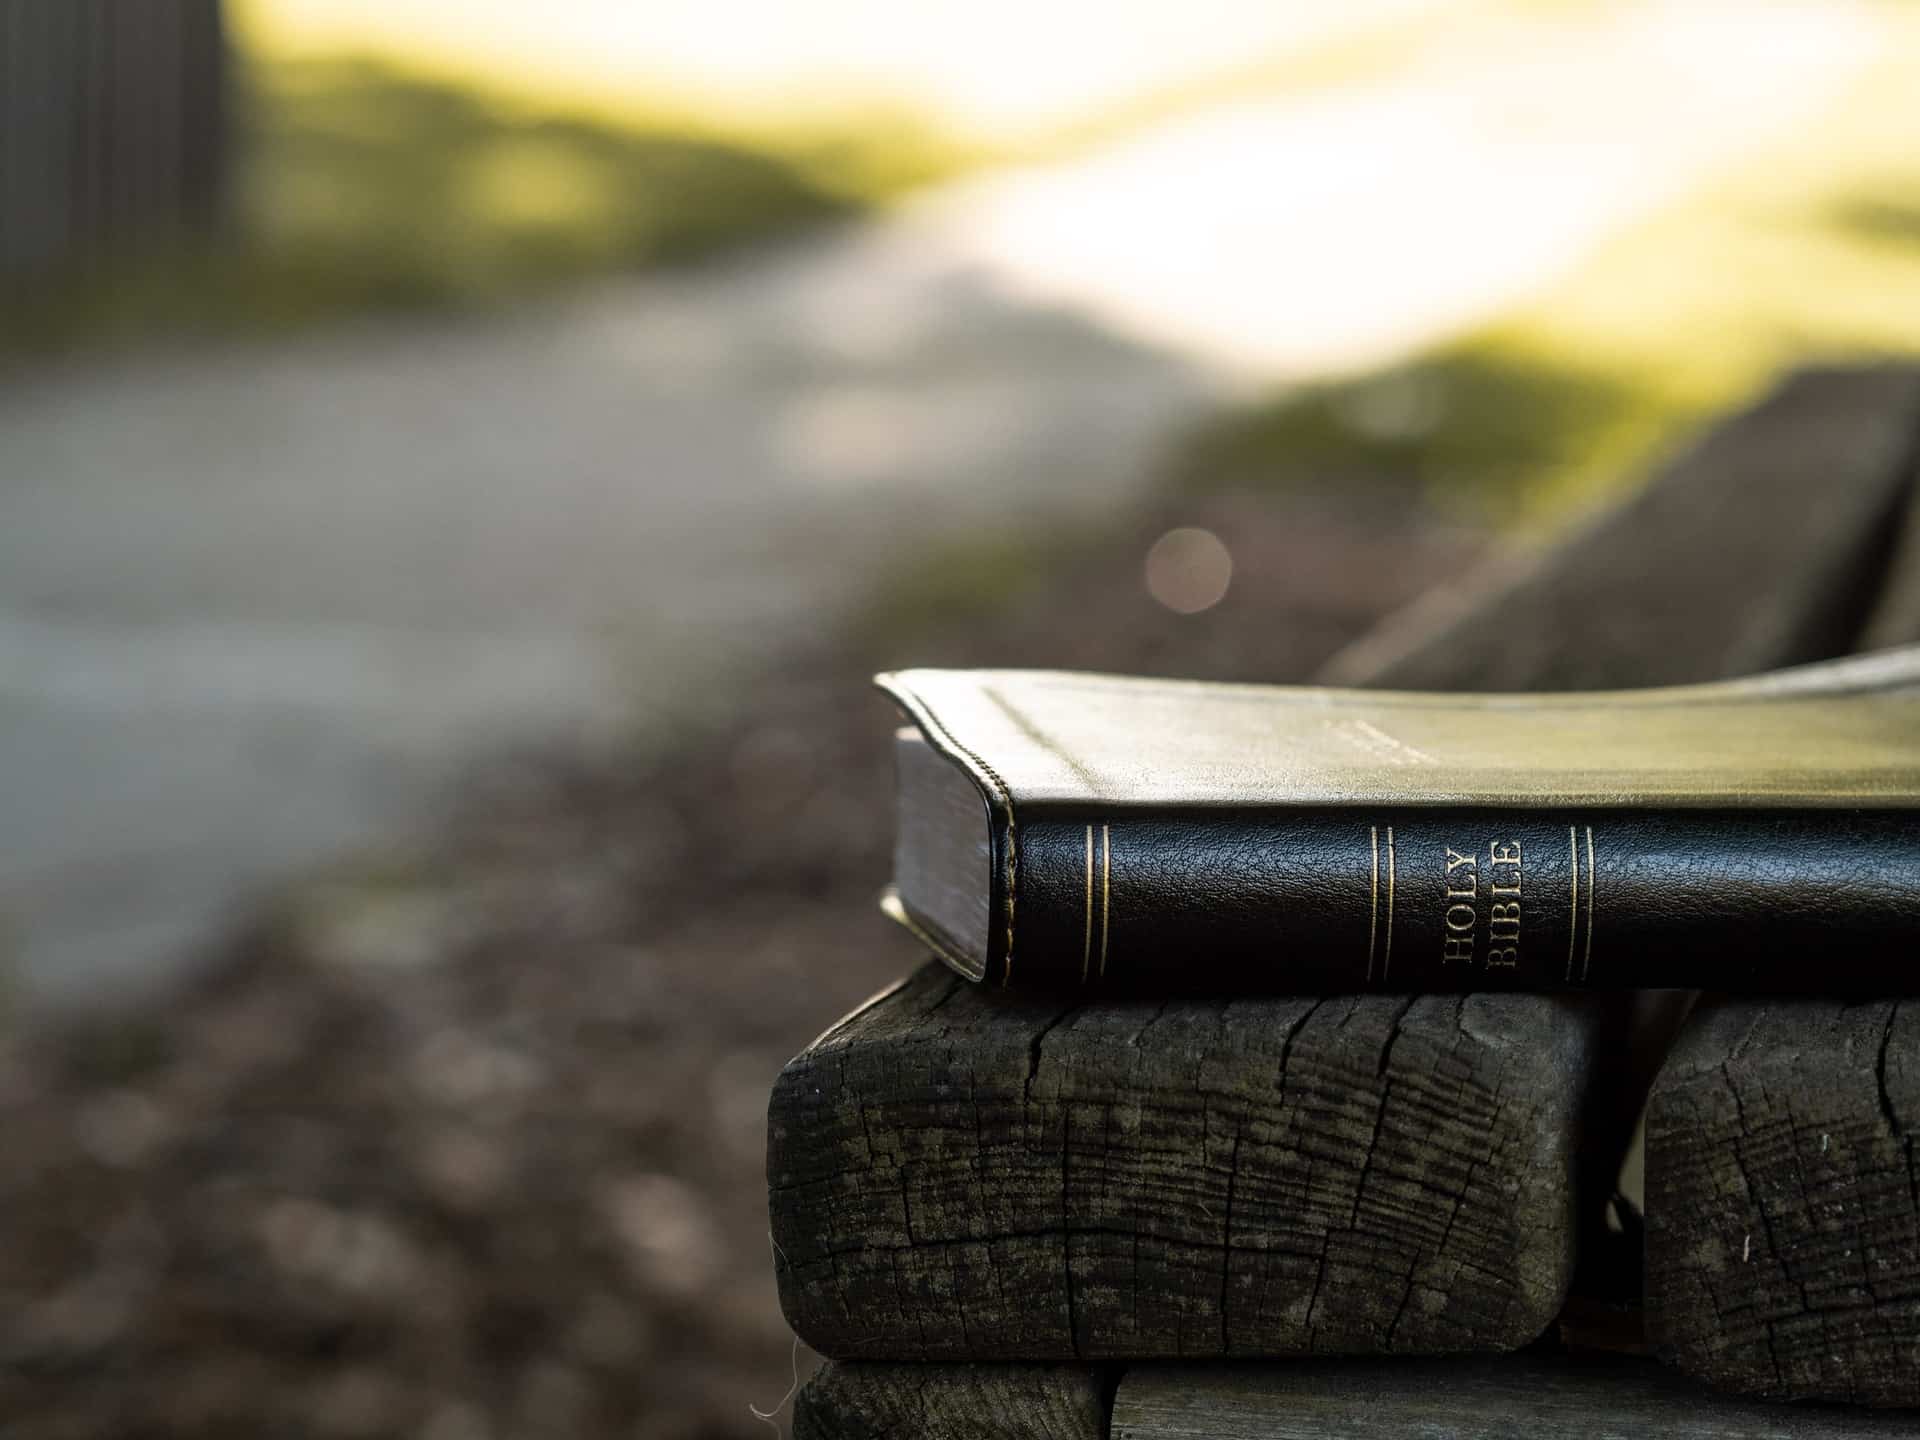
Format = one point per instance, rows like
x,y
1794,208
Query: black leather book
x,y
1071,830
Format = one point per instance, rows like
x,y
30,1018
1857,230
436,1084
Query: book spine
x,y
1429,899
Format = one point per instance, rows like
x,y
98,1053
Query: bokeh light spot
x,y
1188,570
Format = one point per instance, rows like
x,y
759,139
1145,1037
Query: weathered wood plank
x,y
1783,1220
1764,545
959,1175
1089,1212
1783,1205
1787,534
1554,1397
864,1401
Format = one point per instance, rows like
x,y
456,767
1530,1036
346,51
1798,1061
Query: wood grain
x,y
1513,1398
1790,532
1783,1220
1783,1214
862,1401
954,1175
959,1175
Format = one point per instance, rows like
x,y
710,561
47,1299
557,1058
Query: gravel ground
x,y
468,1143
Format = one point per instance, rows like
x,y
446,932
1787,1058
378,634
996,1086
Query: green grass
x,y
359,187
1475,424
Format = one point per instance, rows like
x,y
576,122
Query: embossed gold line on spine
x,y
1386,957
1586,960
1106,891
1573,898
1086,947
1373,912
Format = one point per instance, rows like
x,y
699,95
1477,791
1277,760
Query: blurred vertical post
x,y
114,125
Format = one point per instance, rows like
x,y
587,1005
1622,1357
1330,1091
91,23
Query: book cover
x,y
1072,830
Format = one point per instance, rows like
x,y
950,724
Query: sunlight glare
x,y
991,70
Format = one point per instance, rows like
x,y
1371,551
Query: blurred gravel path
x,y
258,605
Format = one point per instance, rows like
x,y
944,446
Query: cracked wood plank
x,y
959,1174
1789,533
1783,1207
862,1401
988,1249
1512,1398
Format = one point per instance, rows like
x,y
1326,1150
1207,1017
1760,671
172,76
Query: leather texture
x,y
1757,835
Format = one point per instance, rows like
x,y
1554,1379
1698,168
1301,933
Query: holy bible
x,y
1070,830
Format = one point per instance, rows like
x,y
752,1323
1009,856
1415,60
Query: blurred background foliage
x,y
363,186
368,184
1809,252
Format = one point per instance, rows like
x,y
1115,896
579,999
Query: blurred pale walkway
x,y
256,605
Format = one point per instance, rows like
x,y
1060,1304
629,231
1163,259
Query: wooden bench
x,y
959,1177
1512,1397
